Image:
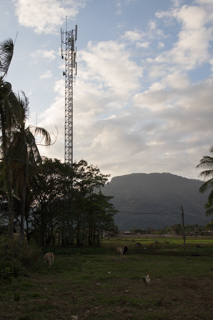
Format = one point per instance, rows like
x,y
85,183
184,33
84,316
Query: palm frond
x,y
15,107
24,104
206,185
5,89
209,211
6,54
10,109
209,205
206,174
44,134
206,162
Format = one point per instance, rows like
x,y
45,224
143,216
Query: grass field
x,y
95,284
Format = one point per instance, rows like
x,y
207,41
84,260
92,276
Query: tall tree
x,y
99,217
207,163
9,115
26,159
96,212
82,216
49,189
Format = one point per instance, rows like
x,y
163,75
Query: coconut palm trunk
x,y
27,161
7,176
7,102
23,202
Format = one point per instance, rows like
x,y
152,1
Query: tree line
x,y
48,200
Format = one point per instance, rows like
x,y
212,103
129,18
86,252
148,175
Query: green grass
x,y
94,285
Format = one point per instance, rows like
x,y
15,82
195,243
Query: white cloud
x,y
177,2
47,75
119,4
142,44
192,46
162,94
208,2
192,17
153,30
46,16
161,45
133,35
177,81
49,55
119,11
110,64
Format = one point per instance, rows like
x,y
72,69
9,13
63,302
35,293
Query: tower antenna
x,y
68,53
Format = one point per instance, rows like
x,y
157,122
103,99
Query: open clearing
x,y
104,286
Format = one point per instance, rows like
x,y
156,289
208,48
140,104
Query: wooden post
x,y
184,243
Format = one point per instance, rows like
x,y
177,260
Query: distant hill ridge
x,y
160,193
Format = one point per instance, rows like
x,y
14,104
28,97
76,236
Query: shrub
x,y
10,269
5,272
19,257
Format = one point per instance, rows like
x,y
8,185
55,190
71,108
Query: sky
x,y
143,95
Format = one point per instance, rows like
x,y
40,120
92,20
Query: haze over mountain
x,y
154,200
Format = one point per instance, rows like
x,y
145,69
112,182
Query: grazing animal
x,y
151,245
121,250
49,258
147,279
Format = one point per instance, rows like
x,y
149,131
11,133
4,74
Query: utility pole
x,y
184,243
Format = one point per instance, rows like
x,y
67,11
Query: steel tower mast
x,y
68,52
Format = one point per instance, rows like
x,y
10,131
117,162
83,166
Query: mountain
x,y
154,200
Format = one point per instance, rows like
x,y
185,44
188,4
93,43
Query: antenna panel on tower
x,y
76,29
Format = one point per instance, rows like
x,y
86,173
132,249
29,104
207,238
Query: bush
x,y
18,258
10,269
5,271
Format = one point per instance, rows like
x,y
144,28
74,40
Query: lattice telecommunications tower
x,y
68,52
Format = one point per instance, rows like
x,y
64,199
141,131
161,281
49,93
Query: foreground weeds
x,y
95,284
17,260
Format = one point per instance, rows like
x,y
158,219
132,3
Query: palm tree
x,y
6,54
207,163
9,115
26,159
